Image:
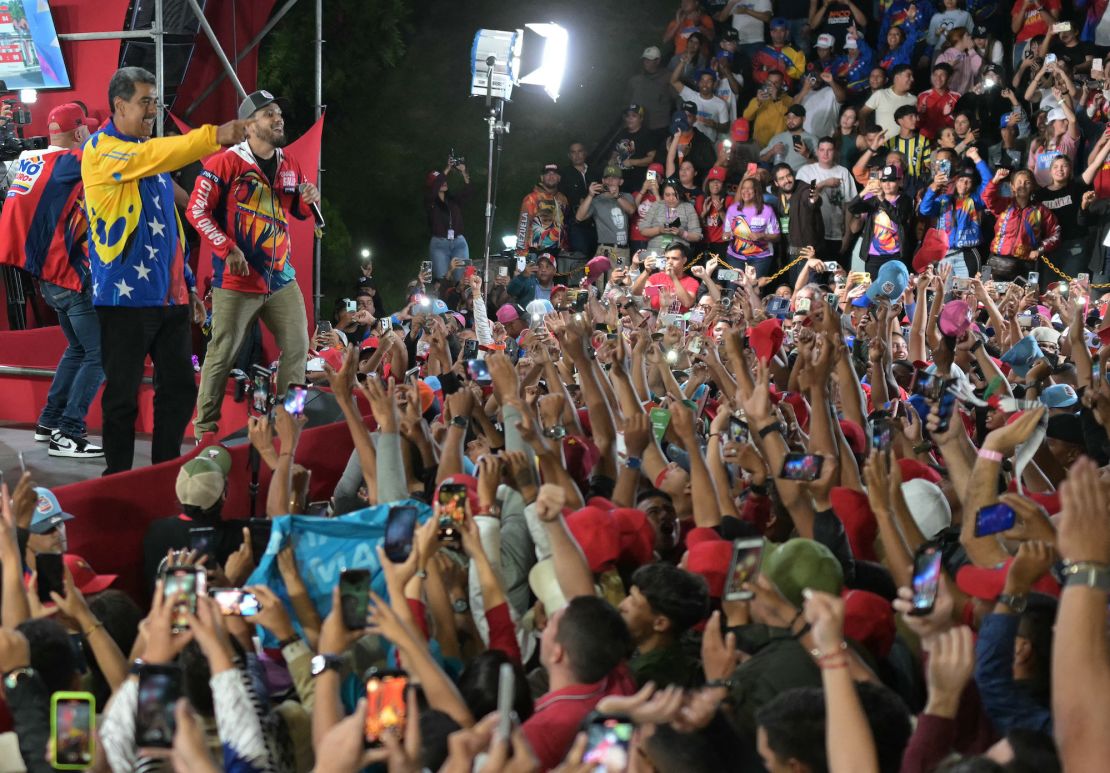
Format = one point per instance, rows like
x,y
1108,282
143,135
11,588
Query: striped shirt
x,y
917,150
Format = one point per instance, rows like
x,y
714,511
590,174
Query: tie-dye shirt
x,y
137,250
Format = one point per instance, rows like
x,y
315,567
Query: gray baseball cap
x,y
255,102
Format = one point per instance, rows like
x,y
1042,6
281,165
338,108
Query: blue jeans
x,y
79,373
443,250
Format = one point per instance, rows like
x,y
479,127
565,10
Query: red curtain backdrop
x,y
235,24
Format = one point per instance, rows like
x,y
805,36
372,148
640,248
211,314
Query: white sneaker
x,y
76,448
43,433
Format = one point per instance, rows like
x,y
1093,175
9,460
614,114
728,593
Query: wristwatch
x,y
555,432
634,463
322,663
461,606
16,675
460,421
1015,601
1087,574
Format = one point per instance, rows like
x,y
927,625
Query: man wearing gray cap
x,y
240,206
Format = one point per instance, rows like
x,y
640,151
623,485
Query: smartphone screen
x,y
235,601
881,434
985,274
294,399
512,350
72,728
260,530
159,689
479,372
799,466
202,539
470,349
385,324
926,579
607,742
452,501
399,528
993,519
737,430
354,596
506,697
51,577
747,554
385,704
186,582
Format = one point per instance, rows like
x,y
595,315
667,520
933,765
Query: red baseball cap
x,y
67,116
860,527
637,536
741,130
597,533
987,582
85,577
710,559
869,620
913,469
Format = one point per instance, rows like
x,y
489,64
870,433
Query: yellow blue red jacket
x,y
137,251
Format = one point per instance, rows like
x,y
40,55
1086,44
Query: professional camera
x,y
11,141
453,160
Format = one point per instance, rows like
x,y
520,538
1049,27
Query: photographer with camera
x,y
48,191
444,209
251,279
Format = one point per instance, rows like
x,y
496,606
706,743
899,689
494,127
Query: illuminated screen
x,y
30,54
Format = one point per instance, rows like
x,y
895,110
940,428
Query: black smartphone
x,y
881,433
608,739
802,467
260,530
52,575
202,539
294,399
747,555
452,500
354,597
236,601
859,352
73,730
470,349
797,139
180,586
945,408
479,372
993,519
386,708
159,690
926,579
400,525
512,350
929,385
738,430
580,301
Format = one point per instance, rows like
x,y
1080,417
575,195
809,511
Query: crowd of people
x,y
780,443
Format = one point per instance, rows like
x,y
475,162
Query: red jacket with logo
x,y
233,203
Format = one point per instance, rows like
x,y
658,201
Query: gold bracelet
x,y
89,632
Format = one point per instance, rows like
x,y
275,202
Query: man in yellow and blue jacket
x,y
142,287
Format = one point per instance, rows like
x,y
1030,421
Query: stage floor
x,y
53,471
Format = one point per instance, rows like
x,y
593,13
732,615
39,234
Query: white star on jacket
x,y
153,251
143,271
156,228
124,290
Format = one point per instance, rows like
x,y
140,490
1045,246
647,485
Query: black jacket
x,y
901,214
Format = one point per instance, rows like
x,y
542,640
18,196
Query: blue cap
x,y
779,21
704,71
1023,355
48,513
540,306
891,281
679,122
861,301
1060,396
439,307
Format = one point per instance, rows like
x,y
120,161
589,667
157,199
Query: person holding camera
x,y
246,192
444,209
610,210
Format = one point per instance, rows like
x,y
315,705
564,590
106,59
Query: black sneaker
x,y
74,447
43,433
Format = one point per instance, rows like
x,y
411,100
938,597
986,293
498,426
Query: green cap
x,y
612,171
801,563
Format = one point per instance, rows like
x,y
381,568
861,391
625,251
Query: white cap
x,y
824,40
1057,114
928,506
652,52
850,43
1045,335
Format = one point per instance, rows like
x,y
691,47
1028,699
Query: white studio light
x,y
509,240
549,75
28,96
365,253
495,63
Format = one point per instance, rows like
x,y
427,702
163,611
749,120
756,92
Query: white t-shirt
x,y
725,94
833,198
884,103
713,109
749,27
822,113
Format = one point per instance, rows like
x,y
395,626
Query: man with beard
x,y
797,205
240,206
633,150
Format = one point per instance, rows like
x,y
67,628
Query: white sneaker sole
x,y
74,453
